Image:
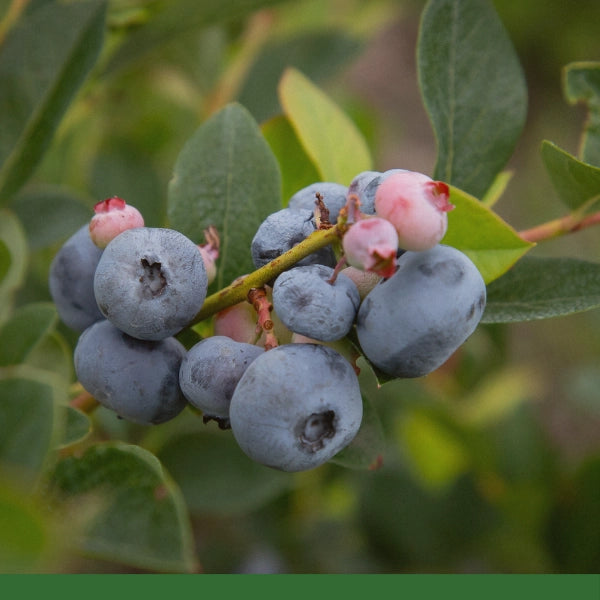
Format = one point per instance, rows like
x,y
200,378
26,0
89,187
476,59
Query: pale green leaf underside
x,y
332,141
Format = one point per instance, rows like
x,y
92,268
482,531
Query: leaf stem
x,y
238,290
568,224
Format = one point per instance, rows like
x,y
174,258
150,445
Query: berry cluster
x,y
271,370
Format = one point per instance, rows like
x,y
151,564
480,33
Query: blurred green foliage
x,y
490,464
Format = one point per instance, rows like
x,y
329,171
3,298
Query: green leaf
x,y
497,188
574,523
52,353
43,62
367,449
27,421
50,214
26,327
497,396
492,244
139,517
297,170
173,19
226,176
317,54
577,183
5,261
582,84
25,538
215,476
331,140
77,427
14,243
438,456
540,288
473,89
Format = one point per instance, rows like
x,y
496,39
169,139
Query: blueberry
x,y
308,304
281,231
137,379
364,187
333,196
150,282
410,324
71,280
296,406
211,370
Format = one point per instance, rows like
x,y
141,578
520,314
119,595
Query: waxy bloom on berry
x,y
371,244
113,216
416,206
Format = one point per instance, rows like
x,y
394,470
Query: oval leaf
x,y
140,518
582,84
297,170
577,183
26,543
26,328
36,84
14,242
367,448
473,89
226,176
26,422
540,288
217,477
492,244
329,137
318,54
50,214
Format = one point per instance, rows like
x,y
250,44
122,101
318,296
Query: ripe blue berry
x,y
210,371
71,280
308,304
150,282
410,324
296,406
332,194
281,231
137,379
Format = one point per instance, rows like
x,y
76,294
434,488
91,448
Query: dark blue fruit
x,y
137,379
410,324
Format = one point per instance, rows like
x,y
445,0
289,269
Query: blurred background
x,y
491,464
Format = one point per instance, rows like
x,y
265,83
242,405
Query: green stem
x,y
238,290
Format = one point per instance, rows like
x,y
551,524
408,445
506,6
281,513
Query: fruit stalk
x,y
238,290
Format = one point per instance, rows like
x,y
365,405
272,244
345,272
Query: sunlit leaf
x,y
332,141
491,243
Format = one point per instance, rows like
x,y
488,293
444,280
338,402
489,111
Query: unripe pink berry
x,y
371,244
365,281
239,322
113,216
416,206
